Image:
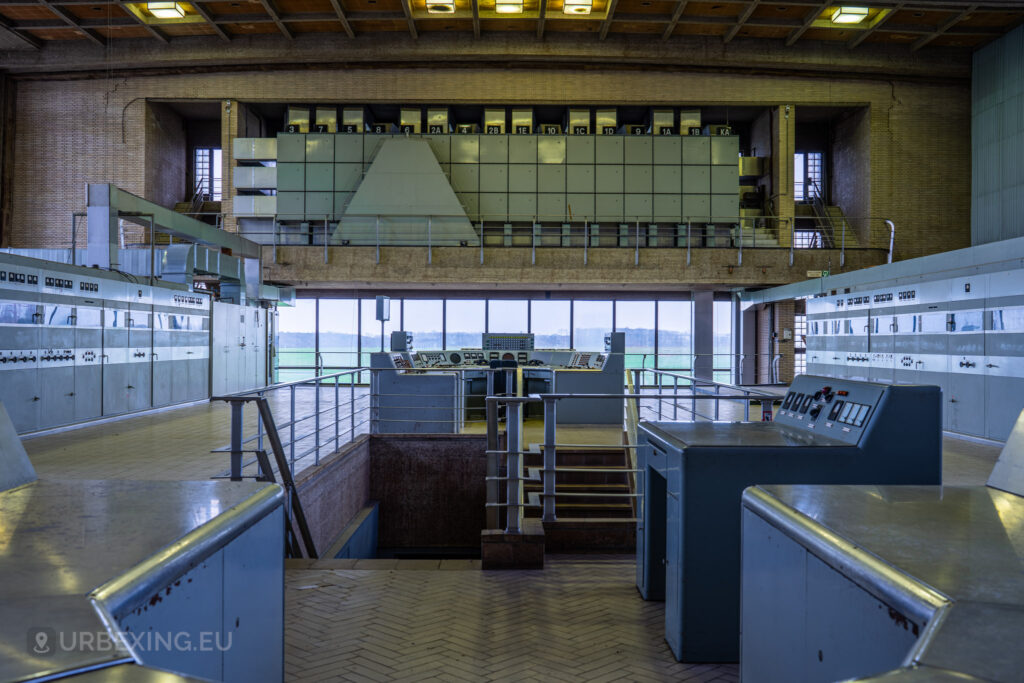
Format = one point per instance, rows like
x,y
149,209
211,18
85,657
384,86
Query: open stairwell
x,y
595,506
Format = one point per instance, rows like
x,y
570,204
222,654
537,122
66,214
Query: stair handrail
x,y
821,212
196,202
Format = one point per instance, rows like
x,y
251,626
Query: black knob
x,y
33,359
961,363
35,398
23,359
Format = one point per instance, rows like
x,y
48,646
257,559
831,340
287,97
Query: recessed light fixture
x,y
508,6
166,10
577,6
441,6
849,15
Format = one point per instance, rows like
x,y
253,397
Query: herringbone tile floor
x,y
580,619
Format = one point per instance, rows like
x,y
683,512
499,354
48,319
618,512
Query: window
x,y
722,316
296,341
808,239
808,182
339,334
549,322
508,315
799,345
591,321
206,170
636,320
423,320
464,323
675,338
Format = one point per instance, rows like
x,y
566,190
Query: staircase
x,y
756,237
595,511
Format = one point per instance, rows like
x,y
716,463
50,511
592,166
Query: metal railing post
x,y
792,238
636,245
236,440
842,247
491,413
746,407
337,416
481,243
316,422
533,243
430,253
291,432
351,406
377,230
718,399
586,241
259,426
675,402
514,467
688,241
549,460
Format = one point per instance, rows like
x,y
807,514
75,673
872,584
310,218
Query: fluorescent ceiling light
x,y
509,6
441,6
849,15
166,10
577,6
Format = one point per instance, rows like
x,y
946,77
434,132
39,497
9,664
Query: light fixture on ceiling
x,y
849,15
440,6
166,10
508,6
577,6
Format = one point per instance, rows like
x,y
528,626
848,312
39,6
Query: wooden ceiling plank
x,y
674,21
607,23
953,21
344,19
808,20
743,19
209,20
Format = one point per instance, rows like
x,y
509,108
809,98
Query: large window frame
x,y
367,329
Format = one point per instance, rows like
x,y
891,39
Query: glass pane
x,y
549,322
423,320
798,177
465,323
371,327
58,315
339,334
722,314
675,335
591,321
296,340
508,315
636,319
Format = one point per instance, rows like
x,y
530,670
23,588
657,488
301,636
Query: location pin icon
x,y
42,638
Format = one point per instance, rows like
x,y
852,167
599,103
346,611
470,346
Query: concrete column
x,y
783,131
229,118
784,311
748,348
703,334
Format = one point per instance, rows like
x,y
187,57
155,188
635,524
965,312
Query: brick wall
x,y
74,132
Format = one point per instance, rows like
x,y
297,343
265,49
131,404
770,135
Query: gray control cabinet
x,y
692,475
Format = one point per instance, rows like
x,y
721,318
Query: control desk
x,y
543,371
692,475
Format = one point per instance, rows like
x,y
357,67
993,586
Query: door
x,y
164,362
88,361
140,359
19,346
116,353
933,307
57,364
1004,351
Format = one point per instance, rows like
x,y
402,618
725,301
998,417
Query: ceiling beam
x,y
476,18
674,21
26,38
268,5
743,19
408,17
209,20
72,21
953,21
343,20
542,18
808,20
607,23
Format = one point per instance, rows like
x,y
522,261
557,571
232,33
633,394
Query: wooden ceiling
x,y
917,25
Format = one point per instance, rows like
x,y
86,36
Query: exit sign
x,y
817,273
